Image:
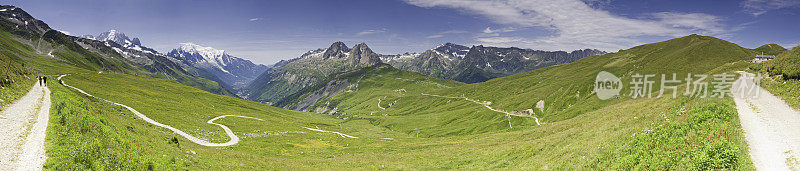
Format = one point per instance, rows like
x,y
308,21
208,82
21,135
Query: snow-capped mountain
x,y
122,40
290,76
152,60
434,62
230,69
479,63
22,20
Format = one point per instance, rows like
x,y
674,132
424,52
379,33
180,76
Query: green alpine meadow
x,y
399,85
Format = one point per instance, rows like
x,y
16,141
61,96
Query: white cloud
x,y
368,32
442,34
790,45
454,32
575,24
489,30
435,36
758,7
256,19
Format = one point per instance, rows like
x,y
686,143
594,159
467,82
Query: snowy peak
x,y
206,52
231,70
119,38
204,57
451,51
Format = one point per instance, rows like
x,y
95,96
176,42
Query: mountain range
x,y
216,65
479,63
232,70
289,76
447,61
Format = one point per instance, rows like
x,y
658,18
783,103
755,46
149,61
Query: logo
x,y
607,85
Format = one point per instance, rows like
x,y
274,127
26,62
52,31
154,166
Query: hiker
x,y
44,80
40,80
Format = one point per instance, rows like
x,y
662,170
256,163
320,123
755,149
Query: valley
x,y
113,103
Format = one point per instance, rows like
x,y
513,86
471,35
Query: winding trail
x,y
485,105
228,131
771,128
340,134
22,131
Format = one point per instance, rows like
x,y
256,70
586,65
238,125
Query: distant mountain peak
x,y
230,69
202,50
118,37
337,50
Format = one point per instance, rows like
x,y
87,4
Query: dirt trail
x,y
228,131
340,134
486,105
771,127
22,131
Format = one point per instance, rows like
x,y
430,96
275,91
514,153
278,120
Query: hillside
x,y
570,84
786,64
770,49
120,108
598,139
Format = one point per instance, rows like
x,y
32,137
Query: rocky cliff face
x,y
479,63
288,77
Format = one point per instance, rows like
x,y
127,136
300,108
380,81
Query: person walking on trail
x,y
44,80
40,80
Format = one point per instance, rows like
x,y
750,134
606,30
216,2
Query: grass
x,y
86,134
705,137
281,143
15,80
782,76
580,132
786,64
770,49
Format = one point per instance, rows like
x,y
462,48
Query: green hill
x,y
770,49
787,64
596,139
572,84
402,120
566,91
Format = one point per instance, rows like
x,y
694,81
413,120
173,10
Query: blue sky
x,y
268,31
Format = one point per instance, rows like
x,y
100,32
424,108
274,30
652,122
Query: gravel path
x,y
771,127
22,131
234,138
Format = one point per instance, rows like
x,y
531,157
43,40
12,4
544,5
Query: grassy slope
x,y
569,84
15,80
411,111
97,135
720,146
566,89
786,64
781,82
770,49
568,144
589,140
